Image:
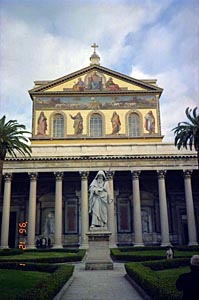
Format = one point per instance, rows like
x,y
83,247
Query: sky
x,y
145,39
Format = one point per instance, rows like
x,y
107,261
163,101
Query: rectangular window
x,y
71,218
124,224
58,126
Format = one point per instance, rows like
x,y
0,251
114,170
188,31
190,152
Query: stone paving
x,y
99,285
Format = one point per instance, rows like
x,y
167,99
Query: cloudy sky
x,y
47,39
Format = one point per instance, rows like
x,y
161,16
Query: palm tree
x,y
12,141
187,133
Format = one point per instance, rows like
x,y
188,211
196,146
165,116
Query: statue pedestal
x,y
98,257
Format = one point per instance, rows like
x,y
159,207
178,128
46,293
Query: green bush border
x,y
179,248
116,254
9,252
137,254
76,256
48,288
144,275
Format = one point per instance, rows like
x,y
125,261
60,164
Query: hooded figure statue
x,y
98,200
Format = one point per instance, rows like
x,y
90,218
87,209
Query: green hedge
x,y
48,288
167,264
66,250
132,248
77,256
145,276
28,267
135,249
9,252
129,256
146,254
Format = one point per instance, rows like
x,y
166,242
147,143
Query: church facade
x,y
90,120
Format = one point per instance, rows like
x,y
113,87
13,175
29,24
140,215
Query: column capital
x,y
135,174
110,175
187,173
84,175
58,175
161,174
7,177
33,176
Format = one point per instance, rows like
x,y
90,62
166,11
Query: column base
x,y
138,245
84,246
31,247
4,247
165,244
56,246
113,246
192,244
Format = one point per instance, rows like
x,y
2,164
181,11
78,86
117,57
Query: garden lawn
x,y
15,281
169,276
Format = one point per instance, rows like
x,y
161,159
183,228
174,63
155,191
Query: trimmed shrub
x,y
167,264
146,254
134,256
49,287
66,250
70,257
151,282
28,267
9,252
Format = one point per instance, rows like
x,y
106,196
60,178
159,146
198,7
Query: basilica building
x,y
99,119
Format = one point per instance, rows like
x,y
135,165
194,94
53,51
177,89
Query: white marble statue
x,y
99,198
49,224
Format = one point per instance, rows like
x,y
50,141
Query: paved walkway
x,y
99,285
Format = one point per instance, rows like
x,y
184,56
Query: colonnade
x,y
136,204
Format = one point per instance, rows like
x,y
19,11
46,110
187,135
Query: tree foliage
x,y
12,139
187,133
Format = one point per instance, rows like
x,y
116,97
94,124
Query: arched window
x,y
58,126
96,125
134,125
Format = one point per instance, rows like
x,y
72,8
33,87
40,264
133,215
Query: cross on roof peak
x,y
94,46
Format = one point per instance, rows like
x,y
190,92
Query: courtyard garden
x,y
147,268
35,274
40,274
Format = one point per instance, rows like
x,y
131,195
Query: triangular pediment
x,y
94,78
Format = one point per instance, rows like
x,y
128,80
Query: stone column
x,y
58,211
163,208
84,210
6,211
32,211
137,219
111,212
190,209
